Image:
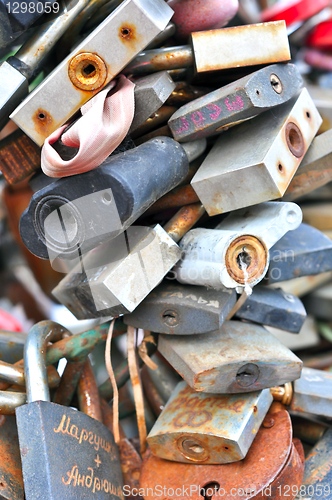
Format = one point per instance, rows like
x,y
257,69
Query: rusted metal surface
x,y
317,479
289,480
178,197
313,393
87,71
9,401
154,121
308,431
168,58
87,391
208,428
248,478
184,220
239,357
19,157
238,101
254,251
14,374
184,92
11,480
151,393
68,384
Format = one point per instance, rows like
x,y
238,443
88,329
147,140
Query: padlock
x,y
182,310
16,72
236,253
11,480
317,480
86,460
235,174
185,310
140,258
314,170
242,46
11,346
302,252
311,393
273,465
80,212
192,15
236,102
91,66
208,428
320,36
239,357
15,375
294,11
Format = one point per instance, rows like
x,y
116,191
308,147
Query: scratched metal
x,y
248,478
238,101
182,310
315,169
281,137
208,428
306,251
313,393
240,357
11,480
317,479
273,307
128,30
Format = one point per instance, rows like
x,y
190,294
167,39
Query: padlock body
x,y
313,393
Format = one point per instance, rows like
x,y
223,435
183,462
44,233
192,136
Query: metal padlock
x,y
77,213
88,464
14,374
236,253
235,174
128,30
302,252
140,258
271,467
17,70
11,480
184,310
236,102
208,428
267,41
293,12
239,357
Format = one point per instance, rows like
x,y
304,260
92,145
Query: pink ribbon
x,y
105,122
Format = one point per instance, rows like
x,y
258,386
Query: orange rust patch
x,y
87,71
43,122
127,32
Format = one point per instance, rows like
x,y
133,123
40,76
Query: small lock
x,y
239,357
207,428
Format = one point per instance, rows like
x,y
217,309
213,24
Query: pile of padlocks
x,y
148,188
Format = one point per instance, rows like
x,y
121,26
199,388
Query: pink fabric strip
x,y
104,124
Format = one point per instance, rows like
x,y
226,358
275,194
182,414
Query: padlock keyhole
x,y
243,260
209,490
89,69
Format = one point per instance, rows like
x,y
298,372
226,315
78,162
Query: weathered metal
x,y
68,384
240,357
87,393
182,310
76,454
261,173
235,253
159,117
208,428
128,30
313,393
19,157
236,102
308,431
11,480
248,478
14,374
151,392
178,197
273,307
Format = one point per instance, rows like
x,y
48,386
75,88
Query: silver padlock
x,y
239,357
313,393
236,253
256,161
208,428
91,66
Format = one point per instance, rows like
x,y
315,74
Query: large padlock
x,y
208,428
236,102
236,253
239,357
119,274
77,213
86,462
235,174
267,41
306,251
91,66
272,468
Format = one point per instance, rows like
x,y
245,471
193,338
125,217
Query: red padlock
x,y
293,11
321,36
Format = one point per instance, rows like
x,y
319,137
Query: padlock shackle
x,y
35,371
11,400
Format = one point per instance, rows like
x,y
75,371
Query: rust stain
x,y
127,32
251,250
184,220
43,121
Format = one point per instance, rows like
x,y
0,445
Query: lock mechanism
x,y
87,71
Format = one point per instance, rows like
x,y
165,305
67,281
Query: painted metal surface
x,y
236,253
313,393
248,478
240,357
262,173
238,101
208,428
40,114
182,310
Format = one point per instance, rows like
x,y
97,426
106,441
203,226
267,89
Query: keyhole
x,y
89,69
243,259
209,490
170,318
